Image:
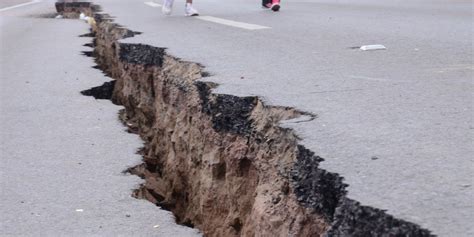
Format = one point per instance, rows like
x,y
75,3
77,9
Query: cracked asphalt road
x,y
397,124
62,153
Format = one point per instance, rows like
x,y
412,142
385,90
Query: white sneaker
x,y
190,11
167,7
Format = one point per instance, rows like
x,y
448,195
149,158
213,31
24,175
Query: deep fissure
x,y
221,163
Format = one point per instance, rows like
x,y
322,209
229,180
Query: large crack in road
x,y
222,163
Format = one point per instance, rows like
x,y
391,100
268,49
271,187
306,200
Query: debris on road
x,y
91,21
372,47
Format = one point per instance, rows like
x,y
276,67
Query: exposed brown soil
x,y
223,175
73,9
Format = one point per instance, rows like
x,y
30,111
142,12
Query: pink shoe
x,y
275,5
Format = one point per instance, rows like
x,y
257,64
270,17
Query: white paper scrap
x,y
372,47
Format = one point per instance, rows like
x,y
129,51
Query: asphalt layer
x,y
9,3
396,124
62,153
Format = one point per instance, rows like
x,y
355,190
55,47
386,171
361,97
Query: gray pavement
x,y
9,3
397,124
62,154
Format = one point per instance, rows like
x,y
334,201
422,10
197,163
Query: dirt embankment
x,y
221,163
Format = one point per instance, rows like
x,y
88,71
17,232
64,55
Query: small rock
x,y
276,200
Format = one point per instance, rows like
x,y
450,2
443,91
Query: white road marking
x,y
19,5
231,23
152,4
217,20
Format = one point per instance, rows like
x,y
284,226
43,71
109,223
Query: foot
x,y
275,6
167,7
266,3
190,11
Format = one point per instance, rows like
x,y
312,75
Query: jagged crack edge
x,y
315,188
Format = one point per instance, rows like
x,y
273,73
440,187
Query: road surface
x,y
397,123
62,154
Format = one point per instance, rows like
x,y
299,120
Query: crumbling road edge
x,y
220,162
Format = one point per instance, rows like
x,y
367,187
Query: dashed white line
x,y
232,23
221,21
152,4
19,5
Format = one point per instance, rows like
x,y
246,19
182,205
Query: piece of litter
x,y
156,226
91,21
82,16
80,210
59,17
372,47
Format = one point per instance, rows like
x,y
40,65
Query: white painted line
x,y
232,23
19,5
220,20
152,4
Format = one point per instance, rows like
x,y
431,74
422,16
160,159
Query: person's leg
x,y
189,10
266,3
272,4
167,7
